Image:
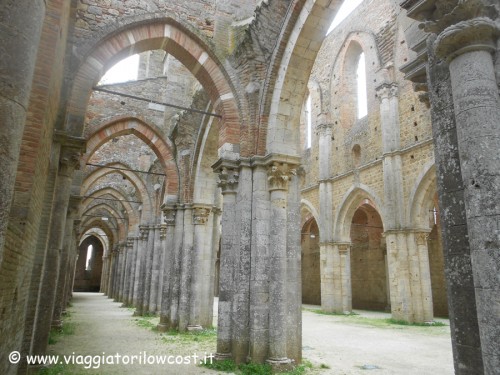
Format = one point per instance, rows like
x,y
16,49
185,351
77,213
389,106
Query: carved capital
x,y
130,241
69,160
387,91
443,14
228,180
344,248
169,214
76,227
325,128
200,215
421,238
278,176
163,231
143,232
465,36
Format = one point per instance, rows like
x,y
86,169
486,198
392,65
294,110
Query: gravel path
x,y
344,345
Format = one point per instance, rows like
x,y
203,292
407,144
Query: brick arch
x,y
117,195
136,181
96,223
348,206
303,32
150,135
176,39
112,213
421,197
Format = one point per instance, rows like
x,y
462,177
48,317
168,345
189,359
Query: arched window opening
x,y
361,86
90,251
308,122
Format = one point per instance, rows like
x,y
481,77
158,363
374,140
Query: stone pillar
x,y
169,267
136,271
324,130
175,280
163,265
278,178
64,267
399,275
259,285
21,25
155,270
345,277
228,182
468,46
104,277
46,300
133,268
241,264
466,342
148,268
425,275
326,251
128,271
200,268
68,289
186,268
140,281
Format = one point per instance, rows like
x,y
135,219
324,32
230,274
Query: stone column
x,y
64,267
228,182
175,280
163,265
148,268
200,274
241,251
133,267
186,268
468,47
128,271
278,178
169,267
141,270
68,161
155,270
259,284
399,276
425,275
20,29
104,277
68,289
325,130
136,271
466,342
345,277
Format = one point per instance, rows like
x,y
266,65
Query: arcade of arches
x,y
256,158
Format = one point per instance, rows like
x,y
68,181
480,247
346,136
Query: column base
x,y
222,356
281,364
194,327
162,327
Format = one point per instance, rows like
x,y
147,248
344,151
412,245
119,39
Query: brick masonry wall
x,y
26,213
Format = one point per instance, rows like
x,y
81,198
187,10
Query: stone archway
x,y
88,270
311,278
368,260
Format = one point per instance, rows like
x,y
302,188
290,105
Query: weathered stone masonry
x,y
228,168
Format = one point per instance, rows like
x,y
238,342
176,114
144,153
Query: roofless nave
x,y
279,175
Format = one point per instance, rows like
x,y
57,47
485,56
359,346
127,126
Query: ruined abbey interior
x,y
258,158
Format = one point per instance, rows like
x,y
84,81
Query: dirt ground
x,y
340,345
